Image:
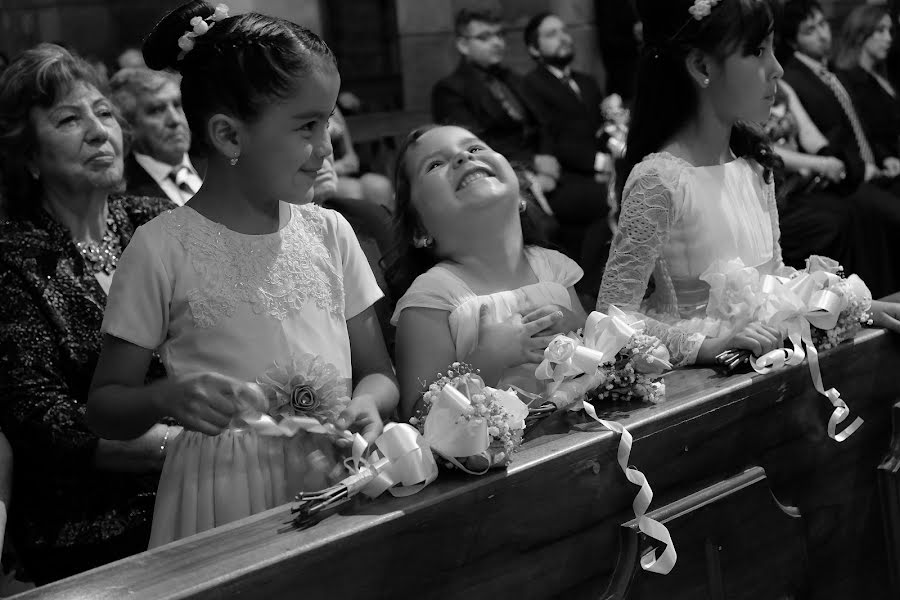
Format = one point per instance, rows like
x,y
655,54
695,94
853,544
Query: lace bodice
x,y
214,300
677,220
275,273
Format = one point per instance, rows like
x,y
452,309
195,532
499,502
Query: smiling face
x,y
79,142
455,178
743,86
878,44
282,151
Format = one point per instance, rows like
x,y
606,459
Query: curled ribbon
x,y
653,562
793,305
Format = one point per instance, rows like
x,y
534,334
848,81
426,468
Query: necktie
x,y
843,99
507,98
567,79
180,176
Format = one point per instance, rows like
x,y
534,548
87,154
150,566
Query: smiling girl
x,y
701,189
243,281
492,297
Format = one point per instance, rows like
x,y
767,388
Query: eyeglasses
x,y
485,36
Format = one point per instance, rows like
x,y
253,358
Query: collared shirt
x,y
565,75
815,65
162,174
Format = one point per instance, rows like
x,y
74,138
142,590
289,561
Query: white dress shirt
x,y
162,174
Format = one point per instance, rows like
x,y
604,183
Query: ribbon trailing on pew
x,y
791,302
575,367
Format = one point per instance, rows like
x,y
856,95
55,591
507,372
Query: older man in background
x,y
158,164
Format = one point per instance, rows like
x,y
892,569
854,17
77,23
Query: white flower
x,y
561,349
220,13
200,26
186,43
702,8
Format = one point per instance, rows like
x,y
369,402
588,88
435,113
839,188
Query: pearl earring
x,y
705,81
233,161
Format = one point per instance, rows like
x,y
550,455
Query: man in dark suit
x,y
805,38
485,97
568,109
158,164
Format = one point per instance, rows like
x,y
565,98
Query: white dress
x,y
676,221
440,289
214,300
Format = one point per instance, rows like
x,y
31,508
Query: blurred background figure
x,y
861,65
158,164
351,184
131,58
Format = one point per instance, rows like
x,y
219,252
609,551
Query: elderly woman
x,y
862,51
78,501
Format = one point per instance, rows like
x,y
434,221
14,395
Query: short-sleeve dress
x,y
214,300
439,288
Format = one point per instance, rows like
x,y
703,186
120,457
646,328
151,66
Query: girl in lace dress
x,y
701,186
257,301
486,293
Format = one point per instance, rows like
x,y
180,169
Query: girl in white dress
x,y
257,301
485,293
701,186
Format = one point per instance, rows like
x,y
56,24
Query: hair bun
x,y
160,48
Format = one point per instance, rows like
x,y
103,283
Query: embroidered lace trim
x,y
277,274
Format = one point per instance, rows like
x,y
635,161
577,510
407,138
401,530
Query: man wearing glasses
x,y
485,97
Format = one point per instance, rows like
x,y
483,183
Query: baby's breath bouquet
x,y
470,425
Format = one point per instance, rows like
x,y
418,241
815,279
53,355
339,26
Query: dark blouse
x,y
66,515
877,109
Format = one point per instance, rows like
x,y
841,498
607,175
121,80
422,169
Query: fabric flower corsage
x,y
305,386
199,26
702,8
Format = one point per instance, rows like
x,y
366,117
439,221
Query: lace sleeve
x,y
769,188
644,227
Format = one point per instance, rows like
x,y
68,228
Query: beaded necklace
x,y
104,255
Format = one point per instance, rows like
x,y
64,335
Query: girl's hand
x,y
206,402
886,314
891,167
517,340
757,338
362,416
832,168
568,323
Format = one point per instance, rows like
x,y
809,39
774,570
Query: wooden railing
x,y
759,501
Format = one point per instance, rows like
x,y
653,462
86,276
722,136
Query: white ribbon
x,y
795,304
653,562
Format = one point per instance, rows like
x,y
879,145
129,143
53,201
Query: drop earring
x,y
233,161
705,81
523,205
35,174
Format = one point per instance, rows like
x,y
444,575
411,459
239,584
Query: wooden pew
x,y
760,503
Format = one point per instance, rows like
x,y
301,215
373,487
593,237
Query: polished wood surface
x,y
741,466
